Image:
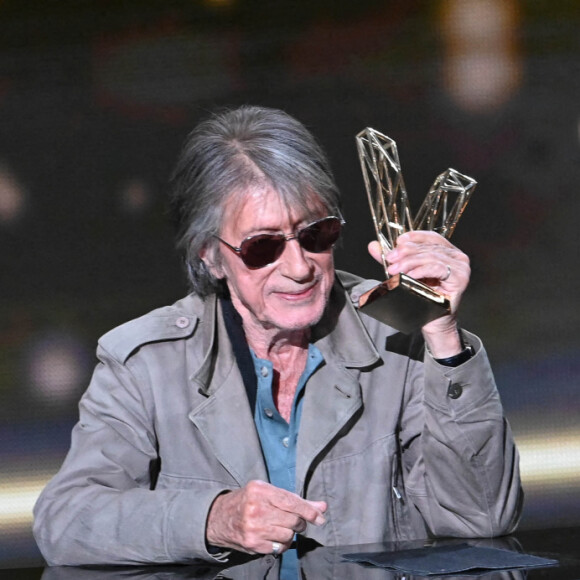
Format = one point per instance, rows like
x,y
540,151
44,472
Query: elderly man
x,y
264,407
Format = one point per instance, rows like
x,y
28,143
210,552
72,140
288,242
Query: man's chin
x,y
298,320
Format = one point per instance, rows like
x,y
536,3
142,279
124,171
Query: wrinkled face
x,y
291,293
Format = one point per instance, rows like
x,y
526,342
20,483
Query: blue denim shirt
x,y
279,438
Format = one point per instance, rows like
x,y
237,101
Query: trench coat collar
x,y
224,417
332,397
340,335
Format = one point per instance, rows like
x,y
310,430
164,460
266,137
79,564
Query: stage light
x,y
135,196
57,367
482,65
12,196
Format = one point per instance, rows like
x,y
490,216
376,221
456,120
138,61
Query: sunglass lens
x,y
261,250
320,236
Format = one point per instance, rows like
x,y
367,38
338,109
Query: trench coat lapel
x,y
332,397
224,417
333,394
331,400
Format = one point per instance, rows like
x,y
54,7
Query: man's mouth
x,y
297,294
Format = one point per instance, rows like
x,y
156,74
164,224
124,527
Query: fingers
x,y
414,248
425,255
429,257
251,518
439,267
375,251
310,511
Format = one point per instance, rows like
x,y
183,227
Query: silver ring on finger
x,y
448,273
276,548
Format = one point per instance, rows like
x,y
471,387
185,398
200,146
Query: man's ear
x,y
208,256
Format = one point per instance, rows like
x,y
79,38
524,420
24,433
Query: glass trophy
x,y
401,301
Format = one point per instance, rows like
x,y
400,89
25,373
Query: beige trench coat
x,y
165,426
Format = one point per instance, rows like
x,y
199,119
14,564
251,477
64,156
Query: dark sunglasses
x,y
263,249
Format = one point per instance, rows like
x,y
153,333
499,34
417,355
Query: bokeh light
x,y
482,66
12,196
57,366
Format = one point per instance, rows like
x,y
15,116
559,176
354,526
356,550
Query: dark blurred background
x,y
96,99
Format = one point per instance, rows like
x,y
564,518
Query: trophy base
x,y
404,303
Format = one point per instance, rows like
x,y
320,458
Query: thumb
x,y
321,507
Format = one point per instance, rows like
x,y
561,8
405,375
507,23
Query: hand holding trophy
x,y
401,301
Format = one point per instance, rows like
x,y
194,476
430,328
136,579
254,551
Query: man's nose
x,y
294,262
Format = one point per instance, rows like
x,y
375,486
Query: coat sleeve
x,y
461,464
101,508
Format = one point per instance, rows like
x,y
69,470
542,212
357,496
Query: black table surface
x,y
562,544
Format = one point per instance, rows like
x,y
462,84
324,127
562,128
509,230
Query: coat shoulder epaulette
x,y
162,324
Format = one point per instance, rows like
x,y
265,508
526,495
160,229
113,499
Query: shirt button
x,y
269,413
285,441
264,371
454,391
182,322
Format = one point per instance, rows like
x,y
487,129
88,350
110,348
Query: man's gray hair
x,y
226,155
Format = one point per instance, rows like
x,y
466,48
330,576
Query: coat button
x,y
182,322
454,391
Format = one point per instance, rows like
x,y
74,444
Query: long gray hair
x,y
227,154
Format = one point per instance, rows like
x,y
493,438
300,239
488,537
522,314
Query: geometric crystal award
x,y
401,301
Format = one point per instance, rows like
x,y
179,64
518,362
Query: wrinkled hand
x,y
251,518
429,257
